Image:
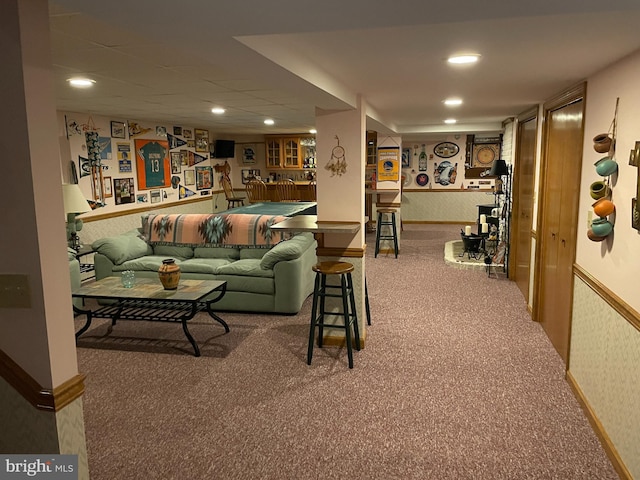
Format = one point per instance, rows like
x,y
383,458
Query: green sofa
x,y
265,271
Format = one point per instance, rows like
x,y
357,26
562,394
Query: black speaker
x,y
224,149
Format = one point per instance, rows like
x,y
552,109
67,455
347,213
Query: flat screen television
x,y
224,149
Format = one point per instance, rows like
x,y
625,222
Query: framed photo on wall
x,y
176,162
118,130
201,140
108,192
189,177
124,190
204,178
152,162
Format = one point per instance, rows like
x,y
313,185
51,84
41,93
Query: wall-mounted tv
x,y
224,149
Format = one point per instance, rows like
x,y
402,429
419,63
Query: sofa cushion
x,y
173,251
247,268
123,247
203,265
217,252
241,283
148,262
289,250
252,253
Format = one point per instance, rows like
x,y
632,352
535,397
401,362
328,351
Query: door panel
x,y
523,208
563,161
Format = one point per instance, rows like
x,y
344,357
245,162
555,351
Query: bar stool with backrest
x,y
256,191
313,190
287,191
232,200
385,221
320,292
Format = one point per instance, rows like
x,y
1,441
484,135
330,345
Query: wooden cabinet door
x,y
291,153
274,152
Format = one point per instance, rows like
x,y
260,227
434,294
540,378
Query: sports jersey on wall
x,y
152,164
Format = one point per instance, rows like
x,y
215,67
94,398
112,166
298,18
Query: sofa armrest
x,y
294,280
121,248
287,250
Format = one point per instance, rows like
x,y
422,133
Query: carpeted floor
x,y
455,382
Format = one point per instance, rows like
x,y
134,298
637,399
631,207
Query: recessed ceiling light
x,y
218,110
450,121
453,102
313,131
269,121
81,82
464,59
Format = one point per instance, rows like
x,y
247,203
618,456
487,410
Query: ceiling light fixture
x,y
450,121
453,102
464,59
81,82
313,131
269,121
218,110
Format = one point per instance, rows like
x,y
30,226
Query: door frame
x,y
574,94
526,116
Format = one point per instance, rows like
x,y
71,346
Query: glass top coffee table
x,y
148,300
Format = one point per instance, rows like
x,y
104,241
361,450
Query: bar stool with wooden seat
x,y
232,200
383,220
321,292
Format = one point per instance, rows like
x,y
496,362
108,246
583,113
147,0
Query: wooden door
x,y
524,179
560,174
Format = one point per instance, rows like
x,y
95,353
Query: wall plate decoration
x,y
152,162
422,179
446,149
485,154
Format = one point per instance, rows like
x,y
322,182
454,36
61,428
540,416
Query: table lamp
x,y
74,204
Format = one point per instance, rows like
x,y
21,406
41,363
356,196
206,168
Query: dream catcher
x,y
338,163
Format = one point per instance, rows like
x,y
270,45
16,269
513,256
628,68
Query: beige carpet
x,y
455,382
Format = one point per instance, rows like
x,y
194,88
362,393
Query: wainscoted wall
x,y
26,429
110,226
605,361
443,206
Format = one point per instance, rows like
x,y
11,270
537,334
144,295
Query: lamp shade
x,y
499,168
74,201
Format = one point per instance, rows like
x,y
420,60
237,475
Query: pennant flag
x,y
185,192
198,158
85,166
175,142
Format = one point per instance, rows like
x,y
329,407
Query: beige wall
x,y
605,347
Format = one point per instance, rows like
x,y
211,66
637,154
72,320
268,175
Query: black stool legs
x,y
321,292
382,221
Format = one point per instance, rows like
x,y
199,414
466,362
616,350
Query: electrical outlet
x,y
14,291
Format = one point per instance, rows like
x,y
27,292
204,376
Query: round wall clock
x,y
446,149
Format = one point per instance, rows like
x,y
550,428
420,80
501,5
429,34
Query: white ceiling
x,y
174,61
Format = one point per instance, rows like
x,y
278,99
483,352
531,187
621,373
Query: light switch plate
x,y
14,291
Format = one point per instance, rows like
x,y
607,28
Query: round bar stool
x,y
320,292
383,220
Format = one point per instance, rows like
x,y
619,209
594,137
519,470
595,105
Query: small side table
x,y
85,267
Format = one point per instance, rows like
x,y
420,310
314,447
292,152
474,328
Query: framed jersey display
x,y
152,162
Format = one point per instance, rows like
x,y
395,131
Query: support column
x,y
389,193
340,198
40,388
